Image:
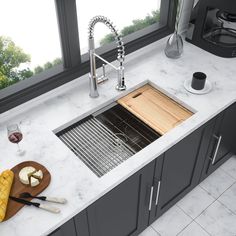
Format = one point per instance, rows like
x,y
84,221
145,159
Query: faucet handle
x,y
103,77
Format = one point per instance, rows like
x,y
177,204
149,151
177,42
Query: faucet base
x,y
94,94
121,88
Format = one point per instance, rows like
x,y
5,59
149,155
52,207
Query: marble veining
x,y
52,111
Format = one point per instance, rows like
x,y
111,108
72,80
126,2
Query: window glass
x,y
128,16
29,39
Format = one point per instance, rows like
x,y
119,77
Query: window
x,y
43,44
29,39
128,17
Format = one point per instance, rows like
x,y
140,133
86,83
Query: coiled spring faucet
x,y
92,56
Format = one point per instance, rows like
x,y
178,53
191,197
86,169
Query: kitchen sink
x,y
107,138
110,136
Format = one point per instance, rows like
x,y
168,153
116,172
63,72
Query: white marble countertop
x,y
70,177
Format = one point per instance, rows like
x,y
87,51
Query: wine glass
x,y
15,136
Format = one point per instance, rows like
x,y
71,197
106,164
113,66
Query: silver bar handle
x,y
217,148
158,192
103,77
103,70
102,59
150,200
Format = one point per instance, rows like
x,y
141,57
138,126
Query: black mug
x,y
198,81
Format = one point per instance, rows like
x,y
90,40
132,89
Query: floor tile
x,y
195,202
217,183
230,167
149,232
172,222
193,229
218,220
228,198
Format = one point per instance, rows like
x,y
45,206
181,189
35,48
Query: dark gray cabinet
x,y
134,204
77,226
175,173
222,142
81,224
67,229
124,210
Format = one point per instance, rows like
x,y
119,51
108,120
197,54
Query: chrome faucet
x,y
94,80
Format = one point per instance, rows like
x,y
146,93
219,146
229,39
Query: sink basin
x,y
107,138
111,135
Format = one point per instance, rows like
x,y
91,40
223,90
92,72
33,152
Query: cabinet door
x,y
223,141
77,226
175,173
81,224
124,210
67,229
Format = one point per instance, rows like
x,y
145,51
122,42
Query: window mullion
x,y
68,29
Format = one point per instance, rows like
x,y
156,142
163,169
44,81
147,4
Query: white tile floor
x,y
209,209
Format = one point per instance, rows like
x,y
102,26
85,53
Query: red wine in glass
x,y
15,135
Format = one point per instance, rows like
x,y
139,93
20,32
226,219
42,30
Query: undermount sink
x,y
107,138
113,134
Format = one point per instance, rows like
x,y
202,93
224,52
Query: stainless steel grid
x,y
99,148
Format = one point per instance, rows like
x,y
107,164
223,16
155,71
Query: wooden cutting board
x,y
155,109
17,187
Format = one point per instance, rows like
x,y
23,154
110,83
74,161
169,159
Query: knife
x,y
36,204
43,198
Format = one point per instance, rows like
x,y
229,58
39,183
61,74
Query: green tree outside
x,y
57,61
11,57
47,65
38,69
136,25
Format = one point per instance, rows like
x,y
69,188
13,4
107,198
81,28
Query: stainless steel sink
x,y
107,138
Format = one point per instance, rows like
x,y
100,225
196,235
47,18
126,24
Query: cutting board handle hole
x,y
137,95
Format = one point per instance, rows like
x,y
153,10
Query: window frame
x,y
74,64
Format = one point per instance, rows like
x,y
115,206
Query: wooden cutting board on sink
x,y
154,108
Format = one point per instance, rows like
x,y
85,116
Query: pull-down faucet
x,y
92,56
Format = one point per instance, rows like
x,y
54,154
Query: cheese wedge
x,y
30,176
25,173
38,174
6,180
34,182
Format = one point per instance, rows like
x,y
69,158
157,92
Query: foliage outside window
x,y
128,18
59,30
12,56
11,59
28,39
137,24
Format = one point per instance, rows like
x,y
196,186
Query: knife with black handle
x,y
36,204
